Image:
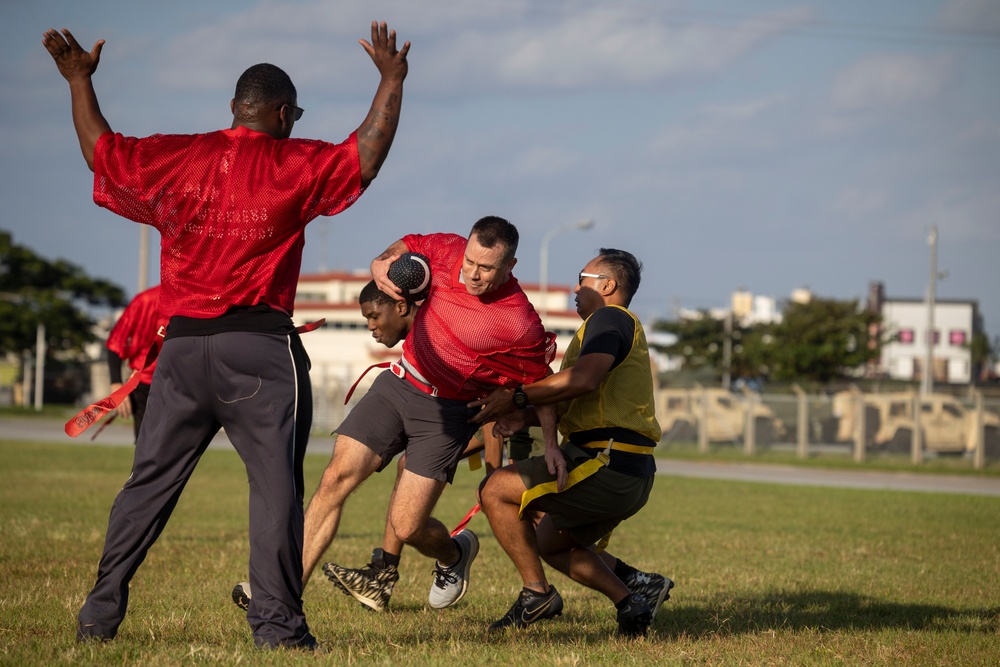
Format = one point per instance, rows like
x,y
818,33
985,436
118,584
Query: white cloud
x,y
971,15
610,46
722,126
742,111
890,81
862,202
478,46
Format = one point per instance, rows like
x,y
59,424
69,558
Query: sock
x,y
622,604
459,548
623,569
390,560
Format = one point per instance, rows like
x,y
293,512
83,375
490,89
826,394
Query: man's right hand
x,y
73,62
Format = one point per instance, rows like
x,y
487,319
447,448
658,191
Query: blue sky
x,y
766,146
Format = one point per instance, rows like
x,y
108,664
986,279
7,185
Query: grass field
x,y
766,574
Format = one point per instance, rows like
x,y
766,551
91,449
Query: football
x,y
412,274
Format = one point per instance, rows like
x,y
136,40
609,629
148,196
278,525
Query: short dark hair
x,y
265,84
370,293
493,230
624,268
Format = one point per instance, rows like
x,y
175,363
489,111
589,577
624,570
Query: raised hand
x,y
391,63
73,62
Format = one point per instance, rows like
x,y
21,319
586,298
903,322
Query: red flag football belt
x,y
400,372
91,414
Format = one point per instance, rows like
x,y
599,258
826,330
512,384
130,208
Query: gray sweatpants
x,y
256,386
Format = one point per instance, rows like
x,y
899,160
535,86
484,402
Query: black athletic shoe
x,y
653,587
634,619
529,607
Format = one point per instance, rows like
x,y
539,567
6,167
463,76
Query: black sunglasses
x,y
296,111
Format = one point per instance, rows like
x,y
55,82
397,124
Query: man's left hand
x,y
497,404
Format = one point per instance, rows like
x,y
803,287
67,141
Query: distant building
x,y
904,328
750,309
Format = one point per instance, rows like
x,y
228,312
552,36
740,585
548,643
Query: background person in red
x,y
231,207
130,339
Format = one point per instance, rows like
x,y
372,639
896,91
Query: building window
x,y
956,337
905,336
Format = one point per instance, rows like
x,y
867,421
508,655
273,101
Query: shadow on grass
x,y
817,610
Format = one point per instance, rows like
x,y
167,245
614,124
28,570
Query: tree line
x,y
58,294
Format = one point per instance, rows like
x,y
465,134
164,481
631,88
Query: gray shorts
x,y
593,507
395,416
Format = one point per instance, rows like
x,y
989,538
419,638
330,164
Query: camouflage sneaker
x,y
370,585
654,588
241,595
635,618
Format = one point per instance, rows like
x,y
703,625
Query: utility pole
x,y
39,365
143,258
543,263
927,386
727,351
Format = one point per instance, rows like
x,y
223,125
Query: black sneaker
x,y
654,588
529,607
634,619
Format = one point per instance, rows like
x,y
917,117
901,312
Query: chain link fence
x,y
851,422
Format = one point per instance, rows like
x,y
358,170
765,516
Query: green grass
x,y
766,574
838,460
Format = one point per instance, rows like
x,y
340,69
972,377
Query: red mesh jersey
x,y
135,331
231,207
467,345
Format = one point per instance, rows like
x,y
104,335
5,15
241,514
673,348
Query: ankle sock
x,y
623,569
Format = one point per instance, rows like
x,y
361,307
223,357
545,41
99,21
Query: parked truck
x,y
680,412
947,426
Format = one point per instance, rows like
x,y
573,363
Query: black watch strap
x,y
520,398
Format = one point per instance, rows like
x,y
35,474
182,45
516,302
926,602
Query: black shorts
x,y
395,416
593,507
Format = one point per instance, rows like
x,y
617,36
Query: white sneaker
x,y
451,582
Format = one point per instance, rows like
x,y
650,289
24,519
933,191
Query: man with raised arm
x,y
231,207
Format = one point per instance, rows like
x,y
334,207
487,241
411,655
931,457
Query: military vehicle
x,y
679,414
947,426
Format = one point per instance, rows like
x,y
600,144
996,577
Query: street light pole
x,y
543,282
927,384
143,282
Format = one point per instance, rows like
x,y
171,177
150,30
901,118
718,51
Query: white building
x,y
904,321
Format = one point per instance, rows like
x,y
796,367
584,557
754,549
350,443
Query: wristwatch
x,y
520,398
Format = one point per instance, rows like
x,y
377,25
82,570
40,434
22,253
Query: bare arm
x,y
77,67
585,376
376,133
554,459
494,448
380,268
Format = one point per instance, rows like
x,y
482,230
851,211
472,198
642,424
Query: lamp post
x,y
143,282
927,386
543,282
